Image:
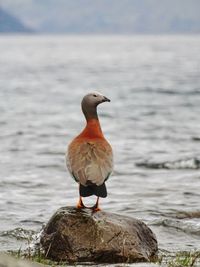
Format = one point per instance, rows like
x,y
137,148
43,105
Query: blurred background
x,y
100,16
142,54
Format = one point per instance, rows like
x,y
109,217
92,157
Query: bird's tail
x,y
93,189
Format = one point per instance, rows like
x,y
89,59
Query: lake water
x,y
152,122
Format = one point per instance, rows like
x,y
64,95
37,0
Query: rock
x,y
188,215
8,261
83,236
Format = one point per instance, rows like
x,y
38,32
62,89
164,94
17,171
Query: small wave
x,y
56,153
192,163
46,166
173,91
32,221
18,233
189,226
196,138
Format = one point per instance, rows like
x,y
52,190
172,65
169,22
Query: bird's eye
x,y
95,95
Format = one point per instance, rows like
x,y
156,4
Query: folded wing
x,y
90,161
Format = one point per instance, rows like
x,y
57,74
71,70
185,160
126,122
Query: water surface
x,y
152,123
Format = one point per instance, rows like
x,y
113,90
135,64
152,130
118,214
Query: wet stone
x,y
83,236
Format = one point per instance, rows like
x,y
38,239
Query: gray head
x,y
90,102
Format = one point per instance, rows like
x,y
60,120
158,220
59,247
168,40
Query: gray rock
x,y
8,261
83,236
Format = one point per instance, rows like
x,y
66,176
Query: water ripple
x,y
189,227
18,233
192,163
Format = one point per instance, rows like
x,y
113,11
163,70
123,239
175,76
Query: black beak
x,y
105,99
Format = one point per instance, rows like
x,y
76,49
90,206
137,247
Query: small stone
x,y
75,235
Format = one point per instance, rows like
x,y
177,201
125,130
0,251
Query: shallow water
x,y
152,123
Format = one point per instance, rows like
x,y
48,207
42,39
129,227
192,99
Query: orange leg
x,y
80,204
96,208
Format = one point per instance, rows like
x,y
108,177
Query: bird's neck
x,y
92,129
90,112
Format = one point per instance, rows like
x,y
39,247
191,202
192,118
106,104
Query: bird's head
x,y
90,103
94,99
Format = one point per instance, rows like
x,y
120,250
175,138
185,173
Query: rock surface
x,y
8,261
83,236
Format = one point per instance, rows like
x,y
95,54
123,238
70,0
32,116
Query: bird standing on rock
x,y
89,156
